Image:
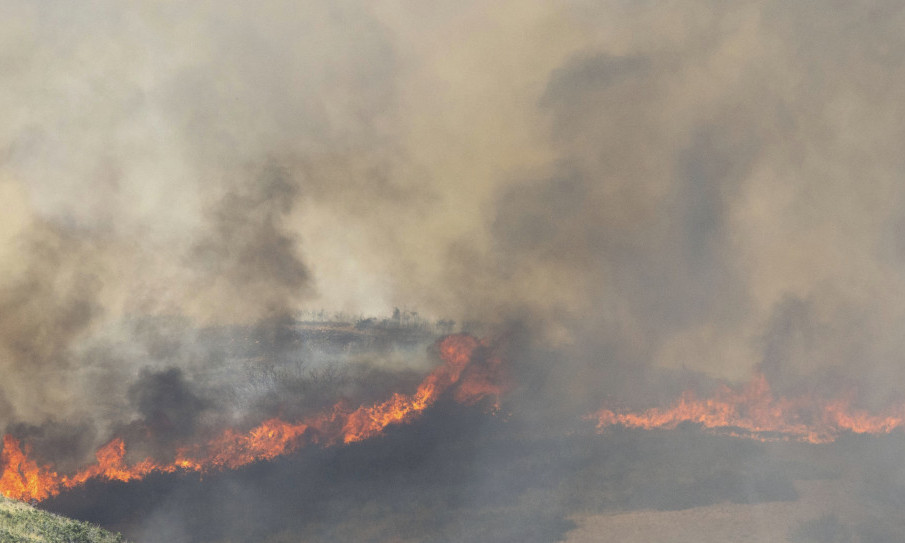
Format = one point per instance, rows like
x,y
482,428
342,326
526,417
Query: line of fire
x,y
471,371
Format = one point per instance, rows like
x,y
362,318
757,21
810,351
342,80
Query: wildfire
x,y
753,411
474,377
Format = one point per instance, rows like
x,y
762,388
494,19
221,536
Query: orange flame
x,y
755,412
23,479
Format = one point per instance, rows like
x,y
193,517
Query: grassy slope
x,y
20,523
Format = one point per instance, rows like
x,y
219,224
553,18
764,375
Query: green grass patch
x,y
20,523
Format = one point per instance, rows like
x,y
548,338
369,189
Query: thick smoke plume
x,y
642,197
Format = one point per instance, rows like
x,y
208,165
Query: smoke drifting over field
x,y
640,197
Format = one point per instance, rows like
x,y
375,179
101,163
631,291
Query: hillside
x,y
20,523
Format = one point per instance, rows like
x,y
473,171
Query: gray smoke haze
x,y
628,187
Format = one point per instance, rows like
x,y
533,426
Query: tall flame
x,y
22,478
753,411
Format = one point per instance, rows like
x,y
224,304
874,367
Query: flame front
x,y
22,478
753,411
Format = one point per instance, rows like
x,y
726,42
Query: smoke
x,y
250,251
629,191
169,412
156,175
703,174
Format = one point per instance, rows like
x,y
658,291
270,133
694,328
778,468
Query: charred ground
x,y
456,474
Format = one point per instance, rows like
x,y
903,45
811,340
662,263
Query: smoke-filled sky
x,y
703,185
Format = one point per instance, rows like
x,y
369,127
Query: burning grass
x,y
451,458
455,474
467,376
753,411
